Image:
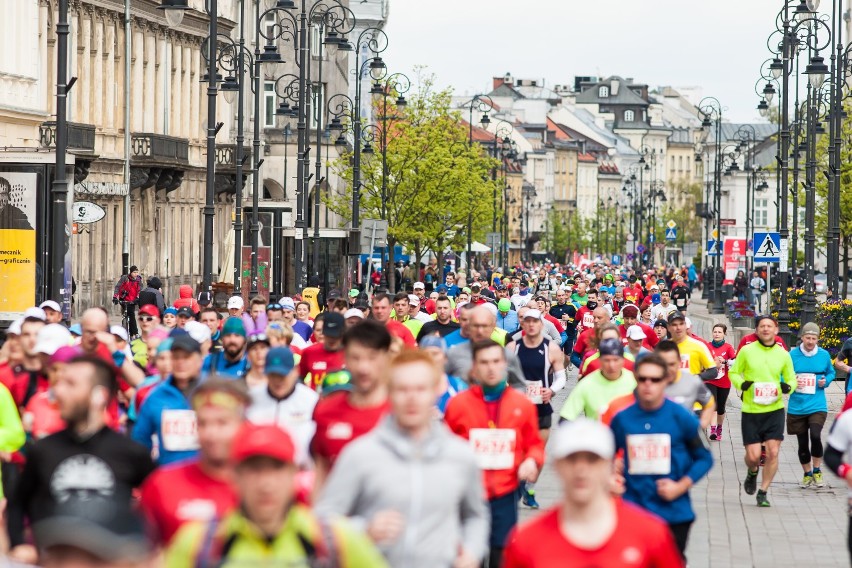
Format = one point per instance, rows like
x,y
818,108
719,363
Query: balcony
x,y
81,137
159,148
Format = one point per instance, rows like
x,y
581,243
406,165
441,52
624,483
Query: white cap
x,y
15,327
687,322
491,308
533,313
51,305
636,333
582,435
235,302
353,313
51,337
197,330
35,312
119,331
654,287
419,286
413,300
287,303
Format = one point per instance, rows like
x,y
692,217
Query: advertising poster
x,y
733,258
17,243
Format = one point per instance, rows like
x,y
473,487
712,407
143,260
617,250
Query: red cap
x,y
269,441
149,310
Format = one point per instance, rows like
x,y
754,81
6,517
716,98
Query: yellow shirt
x,y
694,356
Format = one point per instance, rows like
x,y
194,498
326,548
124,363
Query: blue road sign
x,y
714,248
616,259
671,234
767,247
640,248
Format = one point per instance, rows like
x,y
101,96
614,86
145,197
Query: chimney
x,y
613,87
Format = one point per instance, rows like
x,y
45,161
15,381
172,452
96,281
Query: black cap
x,y
333,324
611,346
334,294
185,343
661,323
205,299
676,315
155,282
186,312
540,298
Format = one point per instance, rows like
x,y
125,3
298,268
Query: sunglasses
x,y
146,318
274,307
643,379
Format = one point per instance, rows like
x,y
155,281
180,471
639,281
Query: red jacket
x,y
127,290
650,340
186,299
468,410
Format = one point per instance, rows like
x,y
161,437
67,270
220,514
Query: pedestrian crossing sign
x,y
767,247
671,234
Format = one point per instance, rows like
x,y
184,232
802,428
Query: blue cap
x,y
76,329
279,360
171,310
441,288
233,326
433,341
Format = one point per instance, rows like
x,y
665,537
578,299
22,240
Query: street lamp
x,y
711,110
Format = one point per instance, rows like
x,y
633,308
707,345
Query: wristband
x,y
118,358
843,470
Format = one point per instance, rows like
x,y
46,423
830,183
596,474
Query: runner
x,y
593,394
840,445
381,313
427,522
325,357
665,308
586,318
807,408
720,387
231,361
566,313
664,453
544,370
757,371
694,355
635,339
630,317
600,318
590,526
443,323
683,387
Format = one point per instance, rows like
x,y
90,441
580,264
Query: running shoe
x,y
712,433
750,483
818,480
808,480
762,501
529,500
719,434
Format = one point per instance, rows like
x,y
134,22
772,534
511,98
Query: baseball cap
x,y
170,310
149,310
582,435
809,328
184,342
279,360
235,302
52,337
630,311
466,290
353,293
433,341
334,294
441,288
185,312
233,326
419,286
661,323
353,313
75,329
676,315
64,354
413,300
287,304
636,333
268,441
198,331
504,305
333,324
476,285
36,313
204,298
611,346
532,314
119,332
50,305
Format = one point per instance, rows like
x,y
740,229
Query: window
x,y
317,45
673,163
603,92
761,213
680,163
629,116
269,104
317,105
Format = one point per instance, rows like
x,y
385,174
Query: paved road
x,y
804,527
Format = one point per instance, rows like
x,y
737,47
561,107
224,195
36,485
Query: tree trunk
x,y
391,265
418,254
844,276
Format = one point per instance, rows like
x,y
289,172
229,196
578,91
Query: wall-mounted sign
x,y
87,212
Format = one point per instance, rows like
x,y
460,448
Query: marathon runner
x,y
593,394
683,387
758,372
839,446
694,355
720,387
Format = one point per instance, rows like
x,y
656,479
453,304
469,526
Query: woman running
x,y
723,354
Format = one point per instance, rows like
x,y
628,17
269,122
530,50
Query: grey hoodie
x,y
434,483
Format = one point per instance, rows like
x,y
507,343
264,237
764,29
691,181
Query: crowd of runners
x,y
400,429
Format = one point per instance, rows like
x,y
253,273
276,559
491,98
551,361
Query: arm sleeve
x,y
475,514
552,332
144,427
709,374
702,459
574,404
341,489
12,435
830,373
736,371
118,285
789,373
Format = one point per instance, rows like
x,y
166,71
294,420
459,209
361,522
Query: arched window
x,y
629,116
603,92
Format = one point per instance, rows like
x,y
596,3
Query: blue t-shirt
x,y
455,338
803,402
646,437
454,386
452,291
217,363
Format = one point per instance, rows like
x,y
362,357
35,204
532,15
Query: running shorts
x,y
800,423
764,426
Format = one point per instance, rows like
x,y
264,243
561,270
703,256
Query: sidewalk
x,y
804,527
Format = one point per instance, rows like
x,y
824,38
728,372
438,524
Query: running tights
x,y
815,434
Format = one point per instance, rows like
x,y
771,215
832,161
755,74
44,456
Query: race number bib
x,y
494,447
720,374
765,393
806,383
534,392
684,361
179,430
649,454
588,320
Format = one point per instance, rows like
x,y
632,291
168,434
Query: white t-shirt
x,y
840,437
662,312
293,413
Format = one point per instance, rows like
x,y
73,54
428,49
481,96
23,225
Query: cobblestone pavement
x,y
804,527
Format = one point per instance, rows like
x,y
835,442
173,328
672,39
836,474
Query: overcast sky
x,y
718,46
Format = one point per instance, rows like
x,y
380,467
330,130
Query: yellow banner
x,y
17,272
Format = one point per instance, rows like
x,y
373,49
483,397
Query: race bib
x,y
649,454
684,361
720,374
806,383
588,320
179,430
534,392
494,447
765,393
339,431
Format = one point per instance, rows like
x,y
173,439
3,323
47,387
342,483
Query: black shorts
x,y
801,423
545,422
720,395
758,428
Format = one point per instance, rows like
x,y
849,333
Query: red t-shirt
x,y
180,493
726,350
399,330
338,423
582,344
633,295
752,337
585,320
318,361
22,384
640,540
44,414
592,362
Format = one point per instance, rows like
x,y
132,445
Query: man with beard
x,y
98,341
25,378
85,460
443,323
231,361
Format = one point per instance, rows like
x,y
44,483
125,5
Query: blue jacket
x,y
689,456
167,401
217,363
509,322
820,365
455,338
692,274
